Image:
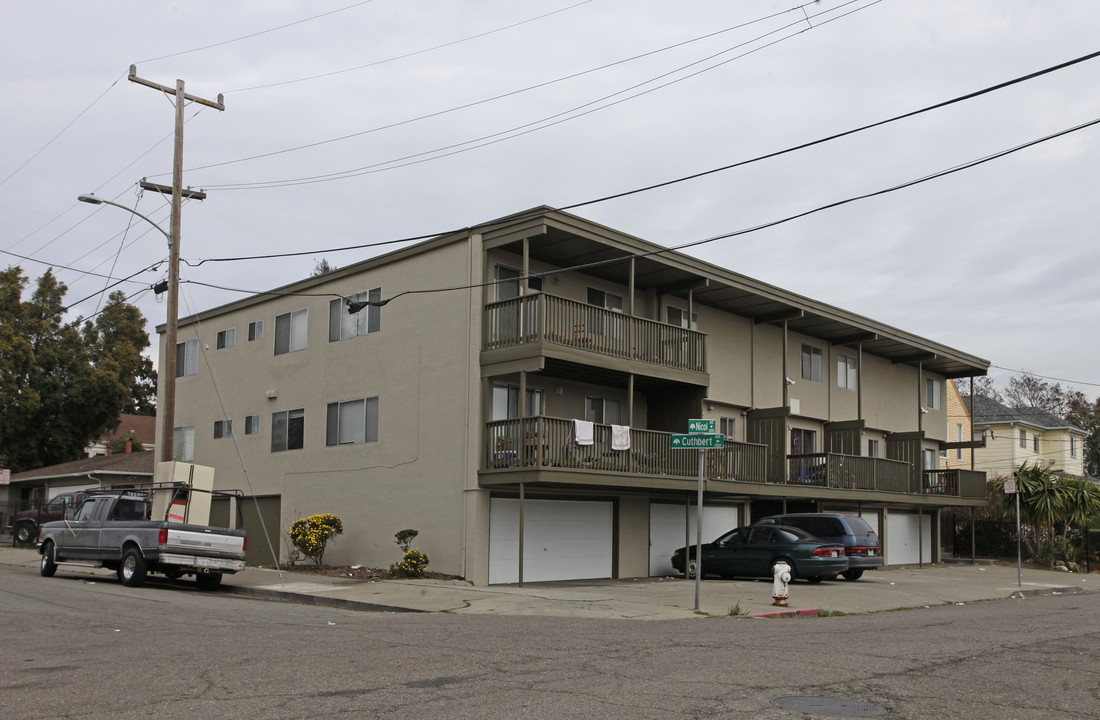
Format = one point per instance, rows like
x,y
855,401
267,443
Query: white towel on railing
x,y
620,437
585,432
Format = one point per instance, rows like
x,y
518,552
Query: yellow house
x,y
1014,436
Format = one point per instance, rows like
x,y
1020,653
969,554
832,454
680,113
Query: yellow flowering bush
x,y
411,566
311,535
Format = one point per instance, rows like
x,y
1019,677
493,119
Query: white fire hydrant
x,y
782,576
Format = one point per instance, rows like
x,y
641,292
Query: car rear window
x,y
819,526
860,528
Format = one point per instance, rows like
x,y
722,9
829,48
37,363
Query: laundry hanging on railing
x,y
620,437
585,432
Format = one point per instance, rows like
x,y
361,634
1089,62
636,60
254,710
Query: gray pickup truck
x,y
113,529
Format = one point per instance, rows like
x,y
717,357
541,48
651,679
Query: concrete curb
x,y
316,600
790,612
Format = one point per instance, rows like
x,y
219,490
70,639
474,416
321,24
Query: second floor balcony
x,y
563,323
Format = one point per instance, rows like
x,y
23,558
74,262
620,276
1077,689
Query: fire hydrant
x,y
781,576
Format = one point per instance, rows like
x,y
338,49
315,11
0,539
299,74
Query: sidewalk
x,y
893,588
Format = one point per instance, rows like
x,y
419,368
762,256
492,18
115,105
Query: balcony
x,y
556,321
848,472
954,483
548,443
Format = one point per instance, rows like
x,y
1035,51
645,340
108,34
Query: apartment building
x,y
511,392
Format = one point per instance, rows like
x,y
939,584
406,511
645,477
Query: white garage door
x,y
563,540
902,538
666,531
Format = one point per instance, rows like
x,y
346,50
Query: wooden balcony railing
x,y
546,318
549,443
957,483
848,472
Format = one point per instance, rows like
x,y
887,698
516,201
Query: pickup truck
x,y
24,524
113,529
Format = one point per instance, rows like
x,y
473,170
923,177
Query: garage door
x,y
666,531
563,540
902,538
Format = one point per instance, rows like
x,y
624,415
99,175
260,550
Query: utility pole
x,y
168,411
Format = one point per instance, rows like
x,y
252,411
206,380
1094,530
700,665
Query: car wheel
x,y
48,566
23,535
814,580
790,564
132,570
208,581
692,568
852,575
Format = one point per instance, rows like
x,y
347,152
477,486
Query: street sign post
x,y
701,436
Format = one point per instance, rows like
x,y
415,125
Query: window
x,y
227,338
1073,446
223,429
288,430
872,448
603,411
1023,439
251,424
932,394
959,437
846,372
929,459
607,300
352,422
1035,442
600,323
727,426
256,330
811,363
291,331
187,358
508,283
803,442
183,443
506,402
343,325
679,318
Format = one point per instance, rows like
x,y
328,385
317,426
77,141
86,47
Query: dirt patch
x,y
360,572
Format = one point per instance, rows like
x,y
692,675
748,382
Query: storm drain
x,y
828,707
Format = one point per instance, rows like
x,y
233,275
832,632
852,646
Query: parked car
x,y
752,551
25,523
860,542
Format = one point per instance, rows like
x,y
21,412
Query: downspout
x,y
786,387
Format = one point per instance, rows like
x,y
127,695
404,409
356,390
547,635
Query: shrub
x,y
411,566
405,538
311,535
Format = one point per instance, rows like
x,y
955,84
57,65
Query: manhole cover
x,y
829,707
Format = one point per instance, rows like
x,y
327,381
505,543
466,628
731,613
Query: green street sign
x,y
696,426
697,441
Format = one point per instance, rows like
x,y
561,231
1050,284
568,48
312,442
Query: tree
x,y
60,387
1027,390
320,267
118,334
1086,416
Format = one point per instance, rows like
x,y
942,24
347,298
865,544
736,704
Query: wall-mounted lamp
x,y
923,411
788,381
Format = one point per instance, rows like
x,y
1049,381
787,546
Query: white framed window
x,y
351,422
343,325
506,402
679,318
811,363
288,430
256,330
603,411
251,424
872,448
959,437
932,391
187,358
846,374
1073,446
291,331
227,338
1035,443
1023,438
727,426
183,443
223,429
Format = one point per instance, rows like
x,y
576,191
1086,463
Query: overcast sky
x,y
999,261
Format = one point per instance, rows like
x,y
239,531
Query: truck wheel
x,y
23,534
208,581
132,570
173,573
48,566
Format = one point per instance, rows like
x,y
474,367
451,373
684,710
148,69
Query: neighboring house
x,y
1014,436
35,488
523,422
957,454
144,427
